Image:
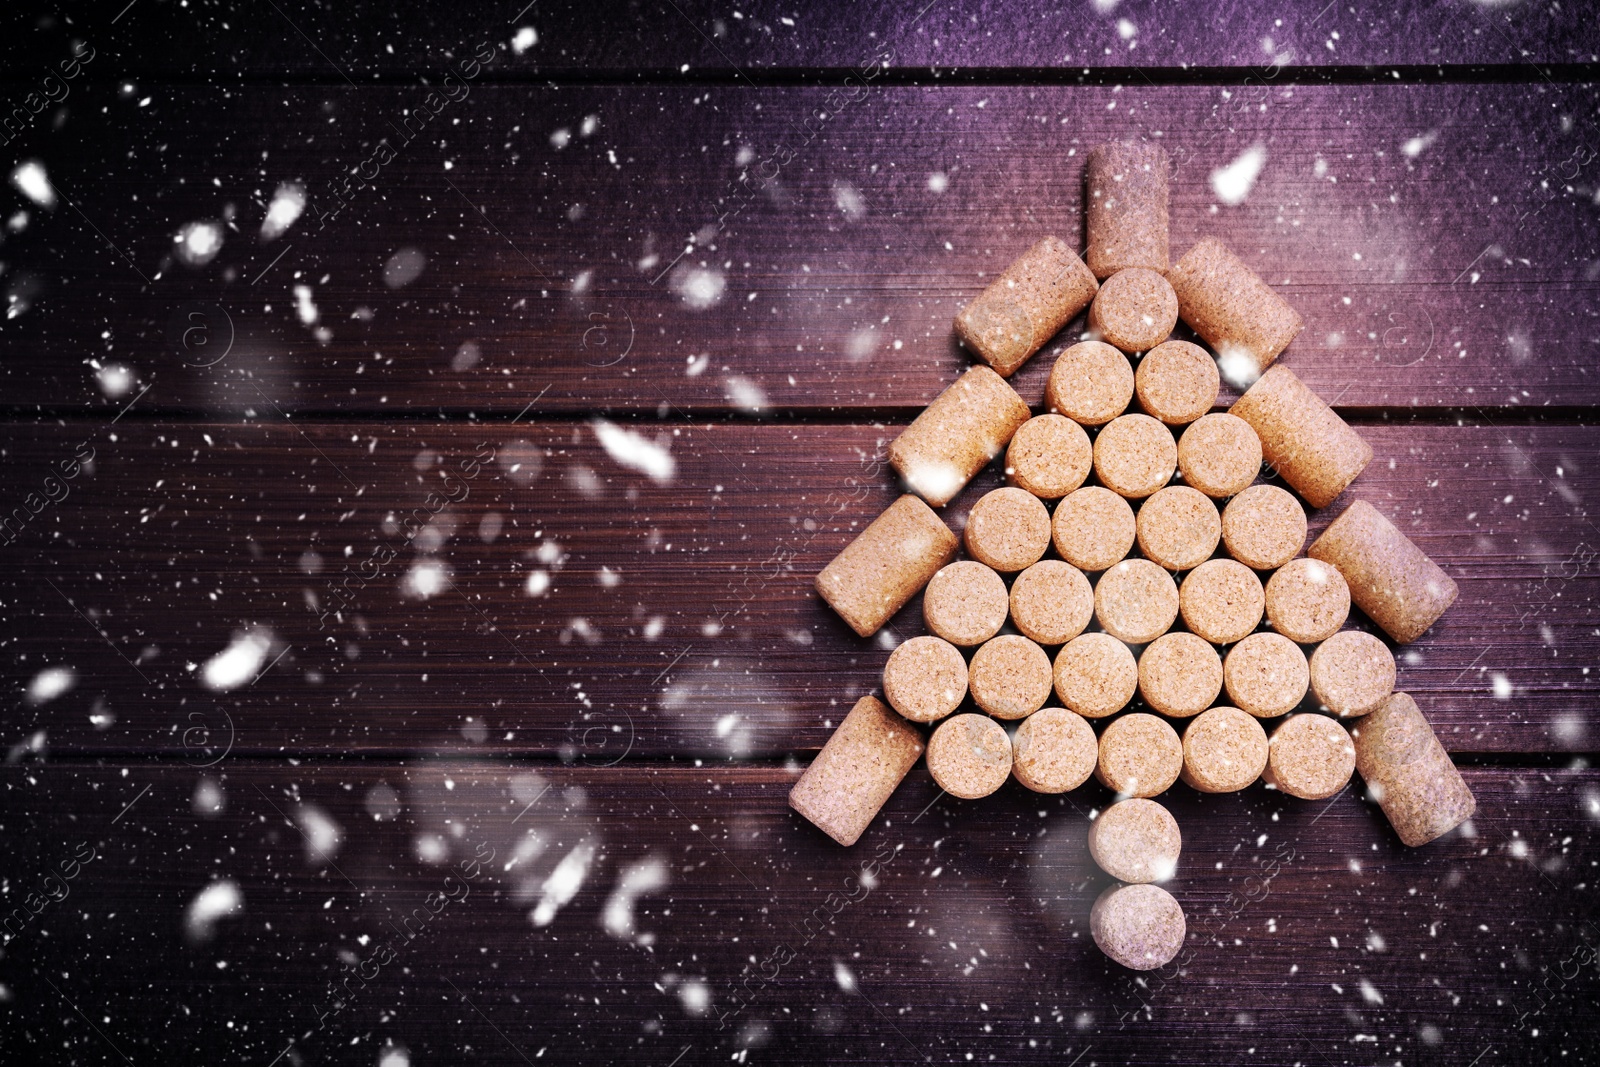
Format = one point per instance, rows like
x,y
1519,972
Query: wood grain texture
x,y
671,617
1313,935
660,39
1463,275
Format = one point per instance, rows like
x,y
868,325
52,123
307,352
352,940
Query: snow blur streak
x,y
563,883
635,451
649,875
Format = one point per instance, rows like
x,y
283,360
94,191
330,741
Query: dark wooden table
x,y
366,708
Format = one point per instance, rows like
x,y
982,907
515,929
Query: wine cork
x,y
1049,456
1125,207
1140,755
1180,675
1409,773
1136,840
1010,677
1219,454
1176,382
1053,751
1222,601
1301,437
1039,293
856,771
1307,600
1138,926
964,428
1310,757
1263,527
1134,455
1178,527
1225,302
969,756
1090,384
1093,528
1352,673
1095,675
1266,675
886,564
1008,529
1391,579
1136,601
925,679
1135,310
1051,602
965,603
1224,750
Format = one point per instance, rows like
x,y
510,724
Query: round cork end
x,y
1264,527
1266,675
1049,456
1134,456
1136,601
1051,602
1178,527
969,756
1008,529
1219,454
1310,757
1177,382
1135,309
1136,840
1138,926
965,603
1352,673
1180,675
1307,600
1222,601
1224,750
1053,751
1095,675
1091,384
1140,756
925,679
1093,528
1010,677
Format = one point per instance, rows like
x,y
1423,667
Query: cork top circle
x,y
969,756
1134,455
1008,529
1093,528
1091,383
1136,601
1307,600
1010,677
1051,602
925,679
1135,309
1177,382
1049,456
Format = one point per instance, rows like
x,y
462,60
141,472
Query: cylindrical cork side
x,y
1125,207
1224,750
1301,437
857,770
1390,578
1136,840
886,564
1138,926
1229,305
1090,384
1409,773
965,603
1140,755
1051,602
969,756
1007,529
1093,528
1037,294
1049,456
1177,382
1263,527
1010,677
1310,757
964,428
1053,751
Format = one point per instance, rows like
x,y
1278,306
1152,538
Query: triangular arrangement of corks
x,y
1134,299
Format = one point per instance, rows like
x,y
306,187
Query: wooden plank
x,y
361,42
671,617
1464,276
1313,935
